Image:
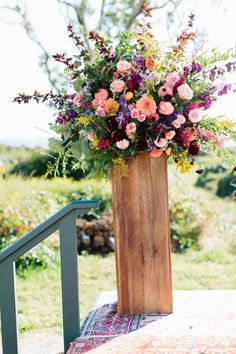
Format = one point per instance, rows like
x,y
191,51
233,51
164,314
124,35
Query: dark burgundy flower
x,y
112,123
193,149
199,171
118,135
192,105
142,144
104,143
131,84
179,83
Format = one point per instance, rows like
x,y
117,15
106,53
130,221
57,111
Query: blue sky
x,y
19,59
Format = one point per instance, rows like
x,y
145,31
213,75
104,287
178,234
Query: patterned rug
x,y
104,331
104,324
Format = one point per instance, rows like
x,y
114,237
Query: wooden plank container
x,y
142,237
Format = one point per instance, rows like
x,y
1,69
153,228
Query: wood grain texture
x,y
142,235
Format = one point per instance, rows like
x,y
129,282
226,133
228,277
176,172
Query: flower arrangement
x,y
142,97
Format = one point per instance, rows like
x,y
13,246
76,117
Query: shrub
x,y
186,221
226,186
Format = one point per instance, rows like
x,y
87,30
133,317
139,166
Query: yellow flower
x,y
184,165
120,166
226,124
84,120
95,142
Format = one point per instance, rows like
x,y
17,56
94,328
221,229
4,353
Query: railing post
x,y
8,308
69,279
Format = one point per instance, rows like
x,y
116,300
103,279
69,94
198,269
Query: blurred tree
x,y
113,17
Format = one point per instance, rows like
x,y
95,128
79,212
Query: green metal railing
x,y
64,221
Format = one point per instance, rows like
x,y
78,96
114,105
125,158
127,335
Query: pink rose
x,y
181,118
155,116
156,153
195,115
101,94
122,144
123,66
166,108
134,113
78,99
130,130
176,123
170,134
141,117
164,90
100,111
96,103
117,86
160,142
172,79
185,92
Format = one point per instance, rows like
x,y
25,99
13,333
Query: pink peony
x,y
122,144
172,79
176,123
100,111
160,142
101,94
134,113
156,153
117,86
181,119
185,92
164,90
146,105
195,115
130,130
170,134
166,108
123,66
141,117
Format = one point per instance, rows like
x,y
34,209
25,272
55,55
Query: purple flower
x,y
70,114
123,115
196,67
224,90
206,104
140,62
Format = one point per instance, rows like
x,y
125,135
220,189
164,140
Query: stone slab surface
x,y
198,312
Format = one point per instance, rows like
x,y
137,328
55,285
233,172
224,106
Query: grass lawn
x,y
39,303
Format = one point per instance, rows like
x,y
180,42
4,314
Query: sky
x,y
20,72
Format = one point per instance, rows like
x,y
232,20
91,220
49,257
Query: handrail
x,y
65,221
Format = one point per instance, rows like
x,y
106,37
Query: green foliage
x,y
226,186
216,56
186,222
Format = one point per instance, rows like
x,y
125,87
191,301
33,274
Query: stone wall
x,y
96,235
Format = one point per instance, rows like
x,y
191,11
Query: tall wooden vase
x,y
142,237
